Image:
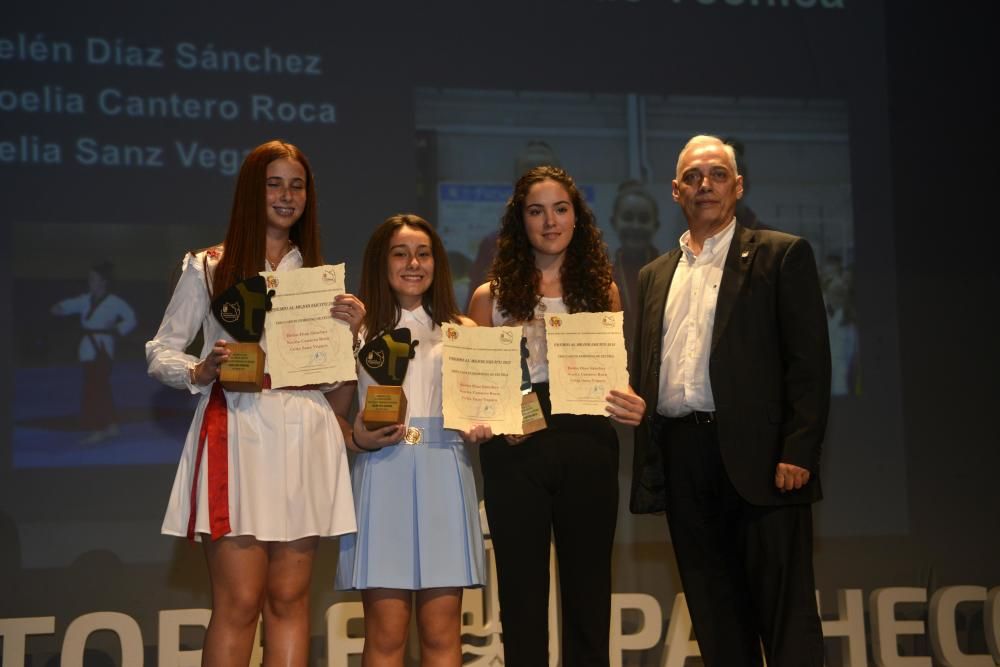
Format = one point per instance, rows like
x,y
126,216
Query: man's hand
x,y
788,477
625,407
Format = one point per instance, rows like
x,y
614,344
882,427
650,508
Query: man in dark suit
x,y
732,357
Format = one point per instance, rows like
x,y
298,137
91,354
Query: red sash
x,y
215,435
214,430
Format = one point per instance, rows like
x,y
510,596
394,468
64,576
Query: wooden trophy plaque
x,y
240,310
386,359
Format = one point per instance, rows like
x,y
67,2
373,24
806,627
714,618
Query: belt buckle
x,y
703,417
414,435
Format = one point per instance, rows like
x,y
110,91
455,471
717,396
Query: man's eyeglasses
x,y
695,177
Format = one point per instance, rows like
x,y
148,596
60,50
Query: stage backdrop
x,y
123,129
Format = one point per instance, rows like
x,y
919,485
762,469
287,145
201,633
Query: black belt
x,y
692,418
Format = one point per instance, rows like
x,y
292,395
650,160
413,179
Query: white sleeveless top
x,y
534,331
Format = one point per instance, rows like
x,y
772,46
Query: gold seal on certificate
x,y
305,344
240,310
587,359
386,358
481,378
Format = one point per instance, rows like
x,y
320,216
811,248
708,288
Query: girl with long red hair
x,y
282,460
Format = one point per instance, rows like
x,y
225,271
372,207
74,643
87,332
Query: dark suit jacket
x,y
769,367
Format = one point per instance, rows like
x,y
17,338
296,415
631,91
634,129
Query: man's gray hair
x,y
704,139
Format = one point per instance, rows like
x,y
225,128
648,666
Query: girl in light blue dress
x,y
419,537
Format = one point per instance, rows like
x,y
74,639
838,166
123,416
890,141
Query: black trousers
x,y
560,482
746,569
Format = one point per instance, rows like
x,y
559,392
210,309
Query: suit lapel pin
x,y
745,253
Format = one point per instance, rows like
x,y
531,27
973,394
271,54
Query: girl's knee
x,y
385,639
237,607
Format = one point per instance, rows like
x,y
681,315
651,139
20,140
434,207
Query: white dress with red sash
x,y
277,456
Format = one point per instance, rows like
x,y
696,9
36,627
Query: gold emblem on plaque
x,y
413,435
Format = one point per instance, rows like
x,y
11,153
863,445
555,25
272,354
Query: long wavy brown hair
x,y
244,247
382,306
586,270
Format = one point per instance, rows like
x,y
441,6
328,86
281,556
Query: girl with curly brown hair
x,y
561,481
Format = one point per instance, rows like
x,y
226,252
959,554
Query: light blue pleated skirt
x,y
418,517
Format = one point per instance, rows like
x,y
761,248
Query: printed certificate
x,y
586,353
305,344
481,378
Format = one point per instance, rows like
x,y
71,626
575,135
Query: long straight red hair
x,y
244,248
